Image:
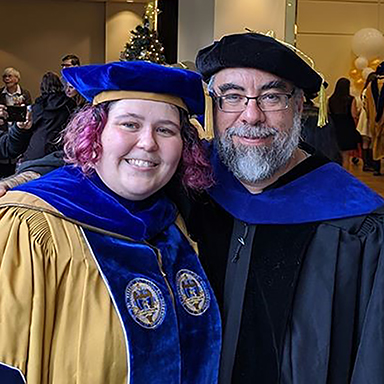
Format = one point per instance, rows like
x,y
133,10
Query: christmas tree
x,y
144,45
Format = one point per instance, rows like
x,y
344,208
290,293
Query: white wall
x,y
121,19
260,15
196,27
201,21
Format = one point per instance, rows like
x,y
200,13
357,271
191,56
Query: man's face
x,y
255,144
67,64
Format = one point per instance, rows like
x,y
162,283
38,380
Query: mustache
x,y
251,131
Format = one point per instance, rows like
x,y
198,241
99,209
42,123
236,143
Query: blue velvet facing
x,y
9,375
328,192
184,347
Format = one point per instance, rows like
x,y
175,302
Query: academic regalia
x,y
298,272
98,289
375,116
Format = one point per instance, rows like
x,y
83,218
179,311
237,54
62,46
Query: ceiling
x,y
93,1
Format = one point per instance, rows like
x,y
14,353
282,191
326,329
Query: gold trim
x,y
118,95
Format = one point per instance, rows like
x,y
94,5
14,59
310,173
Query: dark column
x,y
167,27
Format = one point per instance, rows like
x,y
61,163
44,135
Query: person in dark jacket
x,y
322,139
11,94
14,142
50,114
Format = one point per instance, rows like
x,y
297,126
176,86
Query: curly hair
x,y
82,146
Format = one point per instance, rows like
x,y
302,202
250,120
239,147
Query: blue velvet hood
x,y
69,191
328,192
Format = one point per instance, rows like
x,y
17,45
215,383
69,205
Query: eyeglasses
x,y
268,102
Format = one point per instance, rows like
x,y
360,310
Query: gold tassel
x,y
323,114
200,130
207,132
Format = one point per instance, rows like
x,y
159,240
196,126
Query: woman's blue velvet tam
x,y
141,76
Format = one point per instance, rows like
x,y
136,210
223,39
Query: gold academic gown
x,y
46,332
376,128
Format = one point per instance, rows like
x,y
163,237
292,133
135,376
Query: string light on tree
x,y
144,43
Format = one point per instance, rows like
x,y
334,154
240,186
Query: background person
x,y
50,114
70,60
11,94
15,141
362,127
340,110
375,119
115,292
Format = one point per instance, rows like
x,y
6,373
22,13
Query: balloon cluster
x,y
368,46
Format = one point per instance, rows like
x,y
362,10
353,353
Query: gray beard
x,y
251,164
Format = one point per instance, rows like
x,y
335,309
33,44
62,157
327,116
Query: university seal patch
x,y
145,303
193,292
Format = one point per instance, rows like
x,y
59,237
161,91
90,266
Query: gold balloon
x,y
374,63
354,74
360,81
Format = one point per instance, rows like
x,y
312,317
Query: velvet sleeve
x,y
57,320
338,314
27,280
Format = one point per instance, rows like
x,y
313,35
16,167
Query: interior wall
x,y
202,21
196,27
121,19
34,35
261,15
326,29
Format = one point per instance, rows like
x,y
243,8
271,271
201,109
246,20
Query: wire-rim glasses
x,y
267,102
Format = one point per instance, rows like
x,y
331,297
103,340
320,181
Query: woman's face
x,y
142,147
70,91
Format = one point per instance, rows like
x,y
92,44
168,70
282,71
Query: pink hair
x,y
82,146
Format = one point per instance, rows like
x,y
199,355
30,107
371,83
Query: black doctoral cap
x,y
255,50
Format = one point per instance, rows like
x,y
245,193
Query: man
x,y
292,243
70,61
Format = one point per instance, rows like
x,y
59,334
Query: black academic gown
x,y
307,305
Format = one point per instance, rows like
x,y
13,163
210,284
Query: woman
x,y
340,109
98,284
71,92
50,114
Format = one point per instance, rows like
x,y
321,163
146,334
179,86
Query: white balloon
x,y
368,43
366,72
361,62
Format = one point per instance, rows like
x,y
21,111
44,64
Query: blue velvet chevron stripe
x,y
173,356
328,192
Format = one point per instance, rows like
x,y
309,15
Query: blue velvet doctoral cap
x,y
254,50
103,82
